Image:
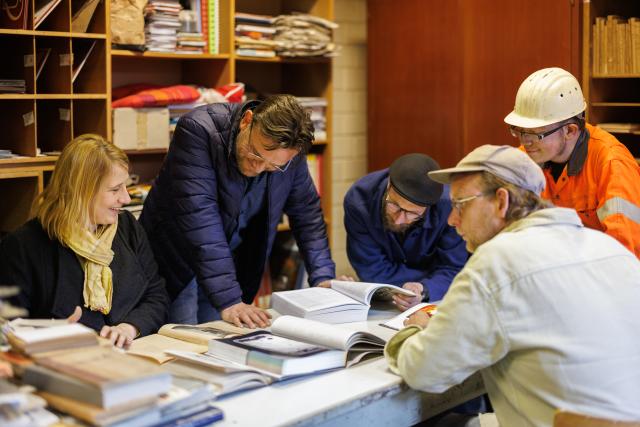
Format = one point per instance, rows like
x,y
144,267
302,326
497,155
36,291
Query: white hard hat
x,y
547,96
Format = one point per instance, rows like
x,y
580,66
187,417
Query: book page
x,y
363,291
397,322
201,334
154,347
217,364
312,332
314,299
276,345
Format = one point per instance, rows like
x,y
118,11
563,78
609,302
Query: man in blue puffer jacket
x,y
211,216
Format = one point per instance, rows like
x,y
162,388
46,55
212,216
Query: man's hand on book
x,y
404,302
327,283
244,314
121,335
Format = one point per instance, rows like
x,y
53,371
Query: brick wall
x,y
349,156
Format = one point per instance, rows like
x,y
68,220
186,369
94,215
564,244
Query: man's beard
x,y
388,224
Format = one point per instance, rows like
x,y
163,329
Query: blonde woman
x,y
81,249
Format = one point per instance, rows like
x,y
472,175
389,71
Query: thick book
x,y
225,376
45,379
298,346
119,376
135,413
29,339
343,302
397,322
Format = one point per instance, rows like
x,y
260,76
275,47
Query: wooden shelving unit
x,y
611,97
55,107
298,76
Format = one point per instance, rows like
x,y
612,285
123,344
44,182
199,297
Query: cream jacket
x,y
549,312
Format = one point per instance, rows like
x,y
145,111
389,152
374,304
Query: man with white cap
x,y
586,168
545,308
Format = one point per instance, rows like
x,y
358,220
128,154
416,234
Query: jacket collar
x,y
578,155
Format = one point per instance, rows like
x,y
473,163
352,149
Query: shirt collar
x,y
578,155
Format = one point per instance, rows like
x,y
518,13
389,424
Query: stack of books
x,y
254,35
616,46
12,86
91,381
161,25
20,408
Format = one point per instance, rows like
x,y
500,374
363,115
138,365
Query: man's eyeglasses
x,y
533,137
458,204
253,152
393,208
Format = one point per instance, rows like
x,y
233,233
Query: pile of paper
x,y
304,35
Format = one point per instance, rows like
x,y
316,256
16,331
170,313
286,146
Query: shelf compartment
x,y
320,8
57,20
19,190
89,116
54,124
17,121
145,163
17,64
619,90
299,79
55,76
97,21
89,70
172,70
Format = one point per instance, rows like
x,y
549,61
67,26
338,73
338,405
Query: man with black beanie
x,y
397,231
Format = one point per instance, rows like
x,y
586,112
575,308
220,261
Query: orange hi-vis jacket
x,y
601,182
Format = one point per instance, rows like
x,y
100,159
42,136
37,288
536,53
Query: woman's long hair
x,y
67,200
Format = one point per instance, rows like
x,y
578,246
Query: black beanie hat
x,y
408,177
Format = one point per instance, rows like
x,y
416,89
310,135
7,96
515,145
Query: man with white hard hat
x,y
545,309
585,167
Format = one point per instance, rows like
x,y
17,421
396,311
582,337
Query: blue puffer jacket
x,y
193,208
431,253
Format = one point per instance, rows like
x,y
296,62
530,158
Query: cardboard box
x,y
141,128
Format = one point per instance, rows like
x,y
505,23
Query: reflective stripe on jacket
x,y
603,186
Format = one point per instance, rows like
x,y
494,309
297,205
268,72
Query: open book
x,y
298,346
343,302
397,322
189,338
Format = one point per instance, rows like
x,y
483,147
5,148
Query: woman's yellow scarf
x,y
95,255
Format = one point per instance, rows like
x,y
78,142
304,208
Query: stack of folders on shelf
x,y
12,86
344,302
20,408
254,35
100,385
161,25
294,347
616,46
